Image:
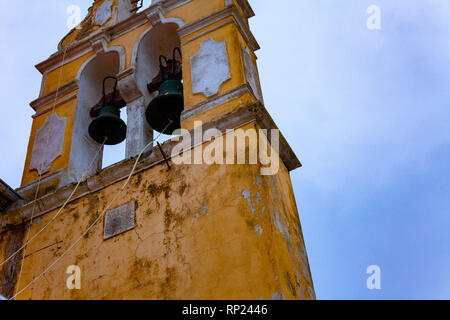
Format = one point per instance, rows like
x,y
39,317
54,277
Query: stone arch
x,y
160,38
156,40
90,78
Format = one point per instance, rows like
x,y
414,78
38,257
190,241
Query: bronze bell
x,y
108,127
164,111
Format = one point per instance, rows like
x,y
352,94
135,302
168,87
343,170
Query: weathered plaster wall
x,y
202,232
65,74
65,110
195,9
285,219
218,111
10,242
128,42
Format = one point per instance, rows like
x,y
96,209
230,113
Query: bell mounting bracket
x,y
114,98
172,70
164,155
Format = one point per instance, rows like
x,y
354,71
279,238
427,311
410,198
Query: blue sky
x,y
366,111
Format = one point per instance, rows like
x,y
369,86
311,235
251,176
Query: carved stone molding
x,y
52,96
100,42
229,11
251,73
120,171
246,8
155,14
215,101
54,106
173,4
84,46
57,178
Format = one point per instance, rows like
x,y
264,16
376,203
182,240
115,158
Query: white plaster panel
x,y
103,13
48,143
210,67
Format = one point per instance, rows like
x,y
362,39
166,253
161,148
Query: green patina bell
x,y
163,112
107,127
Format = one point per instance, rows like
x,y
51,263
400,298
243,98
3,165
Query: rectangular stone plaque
x,y
119,220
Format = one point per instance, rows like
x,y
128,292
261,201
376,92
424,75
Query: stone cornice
x,y
246,8
28,191
68,54
256,112
172,4
52,106
80,48
7,196
131,23
229,11
217,100
251,113
54,95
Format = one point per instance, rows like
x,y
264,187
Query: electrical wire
x,y
94,222
40,174
28,231
59,211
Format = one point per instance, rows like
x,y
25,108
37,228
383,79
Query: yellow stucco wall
x,y
128,42
226,33
202,232
217,111
10,241
195,10
64,110
68,73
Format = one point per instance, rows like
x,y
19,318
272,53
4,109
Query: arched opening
x,y
159,40
84,148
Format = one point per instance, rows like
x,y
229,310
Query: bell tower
x,y
208,214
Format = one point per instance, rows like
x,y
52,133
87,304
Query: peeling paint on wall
x,y
277,296
13,240
203,211
246,194
258,230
